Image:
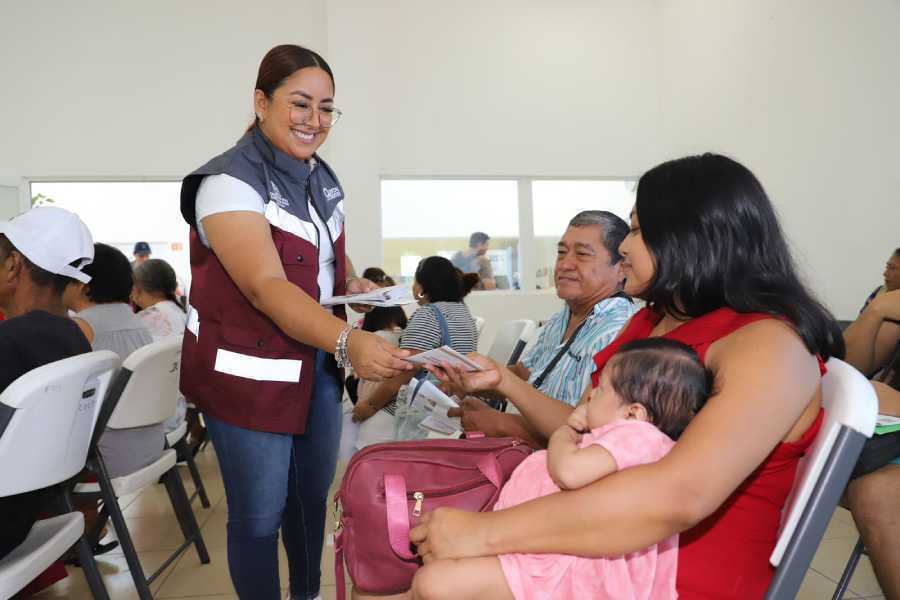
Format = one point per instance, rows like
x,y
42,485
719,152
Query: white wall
x,y
122,89
804,92
506,87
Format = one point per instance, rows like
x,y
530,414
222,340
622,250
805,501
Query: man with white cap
x,y
41,251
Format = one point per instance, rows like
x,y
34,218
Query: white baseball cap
x,y
53,239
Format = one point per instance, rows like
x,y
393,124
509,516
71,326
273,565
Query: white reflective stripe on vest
x,y
192,323
260,369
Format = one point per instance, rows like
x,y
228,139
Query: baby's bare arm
x,y
572,467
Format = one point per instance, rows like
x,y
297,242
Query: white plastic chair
x,y
479,324
851,408
51,414
511,340
144,394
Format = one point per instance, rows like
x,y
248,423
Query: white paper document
x,y
444,354
884,420
396,295
440,428
430,397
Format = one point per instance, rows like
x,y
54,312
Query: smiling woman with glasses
x,y
261,356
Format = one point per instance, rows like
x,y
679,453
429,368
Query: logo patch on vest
x,y
276,197
331,193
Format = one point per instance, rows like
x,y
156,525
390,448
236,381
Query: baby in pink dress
x,y
646,396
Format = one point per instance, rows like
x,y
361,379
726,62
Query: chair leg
x,y
85,557
125,541
185,454
848,571
102,519
91,572
185,513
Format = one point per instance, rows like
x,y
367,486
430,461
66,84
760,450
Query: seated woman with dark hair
x,y
162,313
103,313
873,496
708,256
439,288
378,277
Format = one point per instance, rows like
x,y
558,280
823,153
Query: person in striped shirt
x,y
589,278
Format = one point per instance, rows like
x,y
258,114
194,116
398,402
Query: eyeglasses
x,y
302,112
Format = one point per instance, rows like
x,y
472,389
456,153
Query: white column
x,y
527,258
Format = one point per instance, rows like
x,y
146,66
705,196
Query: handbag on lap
x,y
387,487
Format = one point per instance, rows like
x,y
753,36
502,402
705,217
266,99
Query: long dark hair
x,y
384,318
281,62
716,242
111,276
442,282
158,277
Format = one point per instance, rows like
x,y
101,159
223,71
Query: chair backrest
x,y
55,409
151,392
851,408
479,324
510,341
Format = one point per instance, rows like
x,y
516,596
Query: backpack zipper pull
x,y
419,497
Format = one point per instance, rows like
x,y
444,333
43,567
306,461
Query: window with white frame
x,y
121,213
427,217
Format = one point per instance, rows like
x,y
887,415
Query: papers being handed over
x,y
395,295
444,354
886,424
437,424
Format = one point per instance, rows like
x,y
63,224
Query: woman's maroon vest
x,y
237,365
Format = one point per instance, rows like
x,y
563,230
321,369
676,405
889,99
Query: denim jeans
x,y
277,480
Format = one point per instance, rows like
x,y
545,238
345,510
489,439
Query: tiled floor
x,y
155,530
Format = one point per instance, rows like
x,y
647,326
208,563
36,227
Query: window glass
x,y
427,217
121,213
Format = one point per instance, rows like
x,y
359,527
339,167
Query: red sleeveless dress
x,y
726,556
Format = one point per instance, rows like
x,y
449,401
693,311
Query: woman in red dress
x,y
707,255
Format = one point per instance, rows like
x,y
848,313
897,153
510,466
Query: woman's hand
x,y
374,358
448,533
360,285
489,378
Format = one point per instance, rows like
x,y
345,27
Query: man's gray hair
x,y
613,229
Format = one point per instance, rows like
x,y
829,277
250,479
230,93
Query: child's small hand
x,y
578,419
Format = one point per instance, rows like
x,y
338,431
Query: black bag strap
x,y
549,368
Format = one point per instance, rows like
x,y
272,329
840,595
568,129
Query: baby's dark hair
x,y
665,377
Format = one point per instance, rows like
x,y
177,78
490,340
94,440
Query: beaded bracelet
x,y
340,350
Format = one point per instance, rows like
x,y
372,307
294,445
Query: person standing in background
x,y
475,260
141,254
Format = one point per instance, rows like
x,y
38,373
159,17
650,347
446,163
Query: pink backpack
x,y
387,487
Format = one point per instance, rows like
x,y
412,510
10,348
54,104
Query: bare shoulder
x,y
767,341
766,362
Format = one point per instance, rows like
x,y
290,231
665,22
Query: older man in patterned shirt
x,y
588,278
